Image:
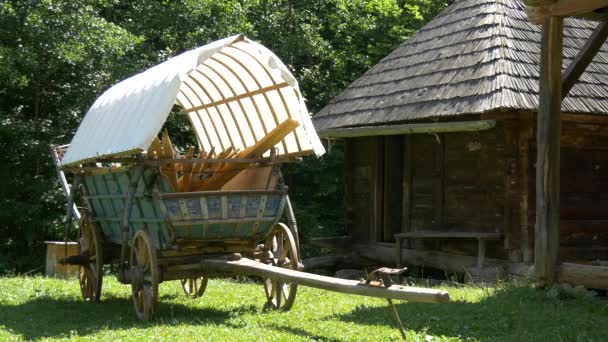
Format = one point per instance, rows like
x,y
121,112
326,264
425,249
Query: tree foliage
x,y
57,56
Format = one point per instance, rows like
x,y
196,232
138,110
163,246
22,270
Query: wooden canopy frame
x,y
554,86
234,91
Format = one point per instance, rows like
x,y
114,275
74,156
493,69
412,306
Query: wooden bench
x,y
481,241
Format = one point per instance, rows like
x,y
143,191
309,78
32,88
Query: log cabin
x,y
461,155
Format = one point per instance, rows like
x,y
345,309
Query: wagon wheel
x,y
280,250
194,287
91,276
144,275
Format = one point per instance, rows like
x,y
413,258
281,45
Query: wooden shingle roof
x,y
476,56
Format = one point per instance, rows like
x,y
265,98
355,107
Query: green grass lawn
x,y
46,308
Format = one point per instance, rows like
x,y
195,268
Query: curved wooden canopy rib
x,y
234,98
234,92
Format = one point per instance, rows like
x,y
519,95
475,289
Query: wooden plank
x,y
386,189
407,185
257,150
510,176
548,152
584,57
524,140
439,185
183,183
377,189
393,186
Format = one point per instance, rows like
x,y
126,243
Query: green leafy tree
x,y
55,58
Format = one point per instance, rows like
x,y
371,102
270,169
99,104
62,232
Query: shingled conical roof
x,y
476,56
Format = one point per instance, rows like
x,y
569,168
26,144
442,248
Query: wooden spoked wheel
x,y
90,276
144,275
280,250
194,287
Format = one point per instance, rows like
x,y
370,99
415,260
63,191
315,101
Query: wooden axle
x,y
246,266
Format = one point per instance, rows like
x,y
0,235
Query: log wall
x,y
583,190
479,182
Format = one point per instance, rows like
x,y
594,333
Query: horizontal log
x,y
460,126
594,277
246,266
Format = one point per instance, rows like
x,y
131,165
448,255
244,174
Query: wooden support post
x,y
548,154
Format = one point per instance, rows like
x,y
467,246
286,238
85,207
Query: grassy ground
x,y
45,308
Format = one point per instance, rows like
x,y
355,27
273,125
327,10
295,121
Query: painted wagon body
x,y
242,216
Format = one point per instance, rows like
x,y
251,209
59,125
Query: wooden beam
x,y
548,152
228,172
460,126
238,97
540,10
246,266
584,57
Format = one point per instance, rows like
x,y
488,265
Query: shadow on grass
x,y
45,317
301,332
510,313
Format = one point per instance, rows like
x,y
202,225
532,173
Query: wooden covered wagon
x,y
160,214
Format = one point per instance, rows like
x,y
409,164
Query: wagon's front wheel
x,y
280,250
194,287
144,275
90,276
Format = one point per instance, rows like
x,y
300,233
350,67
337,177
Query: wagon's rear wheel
x,y
144,275
280,250
194,287
91,276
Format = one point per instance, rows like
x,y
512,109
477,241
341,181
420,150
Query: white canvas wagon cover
x,y
234,92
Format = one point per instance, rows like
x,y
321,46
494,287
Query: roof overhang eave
x,y
414,128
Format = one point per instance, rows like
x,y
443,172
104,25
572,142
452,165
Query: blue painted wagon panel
x,y
167,215
214,207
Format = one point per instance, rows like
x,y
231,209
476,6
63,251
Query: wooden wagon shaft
x,y
246,266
